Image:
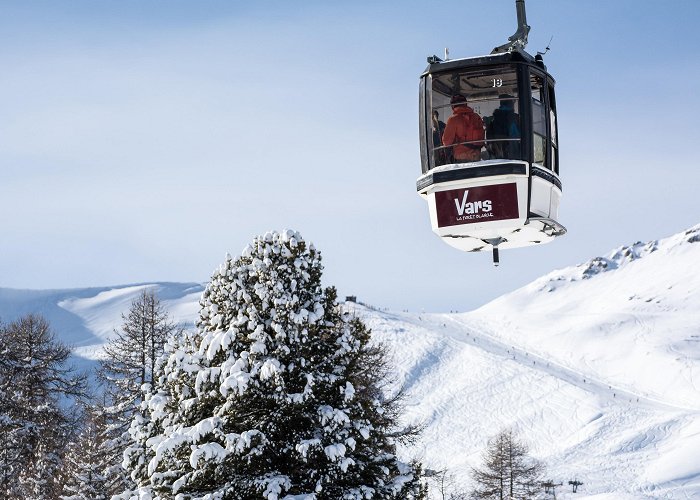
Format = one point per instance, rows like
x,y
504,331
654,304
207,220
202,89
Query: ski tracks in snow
x,y
480,334
465,383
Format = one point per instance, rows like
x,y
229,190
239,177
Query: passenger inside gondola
x,y
503,130
464,131
441,157
480,108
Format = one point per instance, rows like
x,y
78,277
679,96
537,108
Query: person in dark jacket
x,y
503,127
464,130
441,156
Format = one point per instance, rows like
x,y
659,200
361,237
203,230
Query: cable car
x,y
489,148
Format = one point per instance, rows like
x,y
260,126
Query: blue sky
x,y
142,141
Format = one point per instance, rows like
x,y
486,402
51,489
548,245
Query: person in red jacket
x,y
464,126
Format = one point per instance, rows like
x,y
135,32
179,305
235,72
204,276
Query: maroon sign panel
x,y
477,204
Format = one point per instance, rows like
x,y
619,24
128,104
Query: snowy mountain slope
x,y
595,365
631,319
86,317
102,312
16,303
466,385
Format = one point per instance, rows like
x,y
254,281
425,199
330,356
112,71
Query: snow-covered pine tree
x,y
129,361
84,463
34,427
277,395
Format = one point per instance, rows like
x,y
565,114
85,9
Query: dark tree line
x,y
56,442
35,423
50,449
56,439
277,391
129,363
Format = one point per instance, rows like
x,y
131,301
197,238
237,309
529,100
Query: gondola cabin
x,y
489,151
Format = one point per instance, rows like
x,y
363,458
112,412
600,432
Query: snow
x,y
204,427
304,446
207,452
220,342
335,451
166,446
243,441
269,368
596,366
349,391
236,382
274,487
330,415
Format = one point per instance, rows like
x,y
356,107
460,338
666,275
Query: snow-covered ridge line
x,y
465,380
600,377
616,259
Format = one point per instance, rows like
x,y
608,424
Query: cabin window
x,y
422,133
486,126
539,120
553,129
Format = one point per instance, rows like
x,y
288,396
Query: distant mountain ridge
x,y
635,308
86,316
597,365
624,255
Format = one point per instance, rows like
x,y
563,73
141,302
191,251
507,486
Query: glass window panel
x,y
503,128
539,119
441,155
537,88
424,154
553,114
539,125
492,95
540,143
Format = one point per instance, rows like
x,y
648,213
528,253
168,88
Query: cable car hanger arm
x,y
518,40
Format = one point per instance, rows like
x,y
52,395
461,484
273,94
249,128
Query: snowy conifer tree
x,y
34,427
277,395
508,471
84,464
129,362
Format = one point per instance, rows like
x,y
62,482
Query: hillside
x,y
595,365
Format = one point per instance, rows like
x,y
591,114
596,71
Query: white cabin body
x,y
489,152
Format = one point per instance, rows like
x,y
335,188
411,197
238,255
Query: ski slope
x,y
466,384
597,367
